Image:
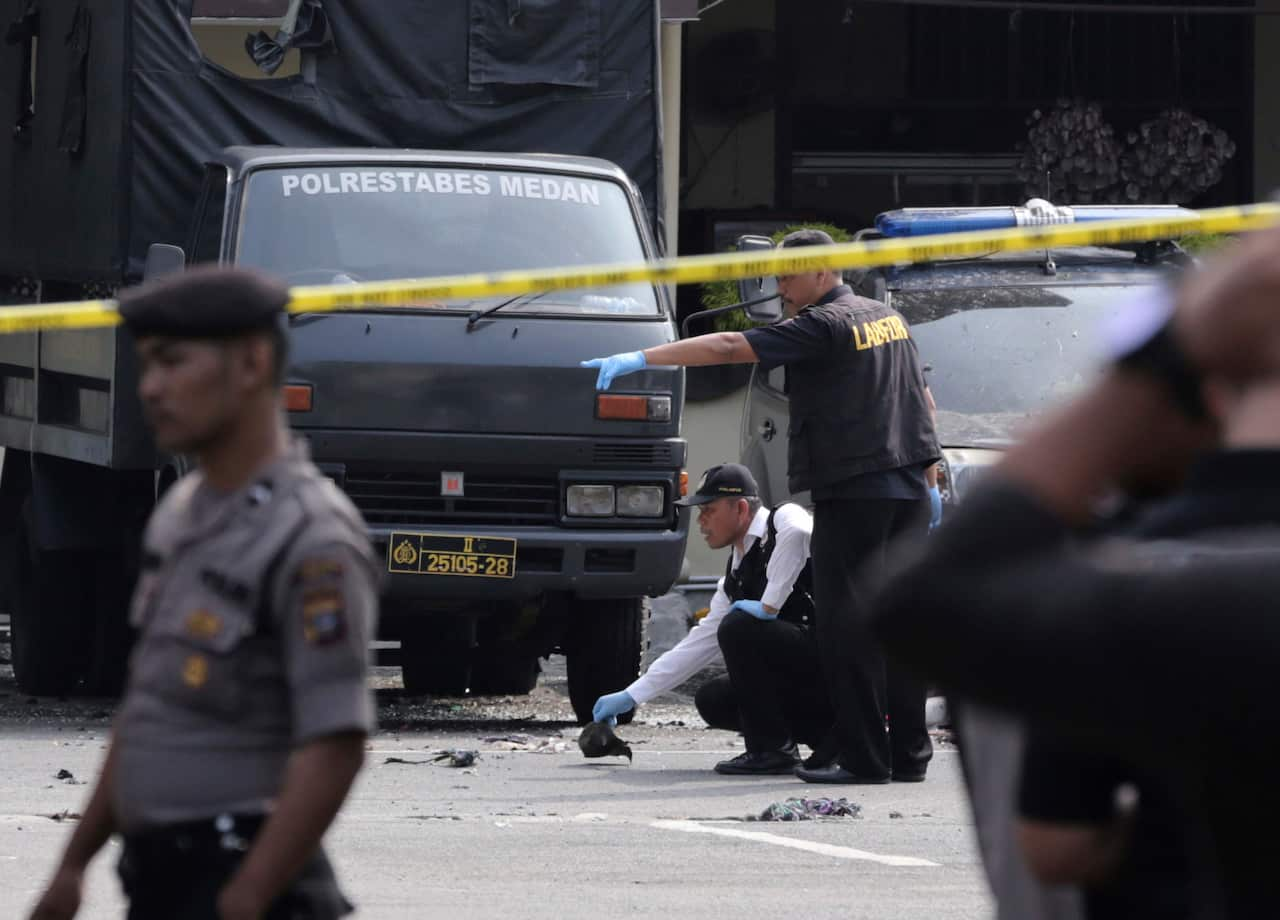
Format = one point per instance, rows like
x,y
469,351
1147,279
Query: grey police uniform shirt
x,y
255,611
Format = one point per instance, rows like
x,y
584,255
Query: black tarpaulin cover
x,y
126,112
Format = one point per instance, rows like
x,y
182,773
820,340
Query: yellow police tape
x,y
695,269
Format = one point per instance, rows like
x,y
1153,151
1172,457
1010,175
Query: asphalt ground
x,y
532,829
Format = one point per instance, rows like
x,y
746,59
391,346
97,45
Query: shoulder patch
x,y
324,616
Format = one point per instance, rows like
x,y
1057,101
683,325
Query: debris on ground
x,y
456,757
809,810
598,740
507,739
895,814
67,777
65,816
526,743
453,757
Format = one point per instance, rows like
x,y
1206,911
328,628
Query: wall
x,y
729,160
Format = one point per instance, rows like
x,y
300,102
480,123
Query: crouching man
x,y
761,625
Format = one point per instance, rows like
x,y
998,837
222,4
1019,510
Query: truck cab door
x,y
766,414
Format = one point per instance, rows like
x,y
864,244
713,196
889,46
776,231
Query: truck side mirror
x,y
163,259
769,310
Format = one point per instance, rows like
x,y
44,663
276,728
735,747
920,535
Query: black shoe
x,y
838,775
824,755
761,763
908,776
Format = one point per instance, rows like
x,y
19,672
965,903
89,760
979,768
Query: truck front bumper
x,y
583,563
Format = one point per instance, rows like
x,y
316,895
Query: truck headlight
x,y
590,501
641,501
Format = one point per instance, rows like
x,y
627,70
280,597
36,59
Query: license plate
x,y
450,554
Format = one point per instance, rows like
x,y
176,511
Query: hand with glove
x,y
935,507
612,705
755,608
616,366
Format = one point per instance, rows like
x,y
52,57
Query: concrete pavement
x,y
547,834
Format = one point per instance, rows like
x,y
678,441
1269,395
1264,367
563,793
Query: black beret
x,y
205,302
807,237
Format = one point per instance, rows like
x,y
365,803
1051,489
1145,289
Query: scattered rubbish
x,y
598,740
64,816
67,777
449,758
455,757
809,810
895,814
525,743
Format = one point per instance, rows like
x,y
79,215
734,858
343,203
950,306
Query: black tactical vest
x,y
749,579
862,410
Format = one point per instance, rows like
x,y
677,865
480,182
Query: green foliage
x,y
1202,244
723,293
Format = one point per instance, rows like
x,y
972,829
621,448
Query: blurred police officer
x,y
1008,609
760,622
244,719
861,439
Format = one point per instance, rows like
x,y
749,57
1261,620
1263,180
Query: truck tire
x,y
433,668
603,648
503,669
110,637
46,623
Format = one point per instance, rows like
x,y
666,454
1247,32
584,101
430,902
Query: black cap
x,y
205,302
729,480
807,237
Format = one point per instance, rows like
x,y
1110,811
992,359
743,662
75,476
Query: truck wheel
x,y
504,669
603,648
433,668
46,621
110,636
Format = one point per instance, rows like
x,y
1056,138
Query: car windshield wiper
x,y
500,305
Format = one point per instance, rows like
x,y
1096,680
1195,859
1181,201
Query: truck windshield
x,y
1000,356
376,223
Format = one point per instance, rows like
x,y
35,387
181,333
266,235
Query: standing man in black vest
x,y
760,621
861,440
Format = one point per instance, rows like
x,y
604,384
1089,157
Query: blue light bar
x,y
1036,213
926,221
1087,213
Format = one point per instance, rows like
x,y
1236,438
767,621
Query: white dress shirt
x,y
700,647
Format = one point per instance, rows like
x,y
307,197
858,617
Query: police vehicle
x,y
1002,336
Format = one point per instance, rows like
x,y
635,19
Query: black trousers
x,y
774,693
850,537
179,871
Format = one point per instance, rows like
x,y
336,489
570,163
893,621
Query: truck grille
x,y
632,454
414,498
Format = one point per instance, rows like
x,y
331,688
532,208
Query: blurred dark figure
x,y
1148,662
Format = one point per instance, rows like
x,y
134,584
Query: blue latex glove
x,y
935,507
755,608
615,366
612,705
